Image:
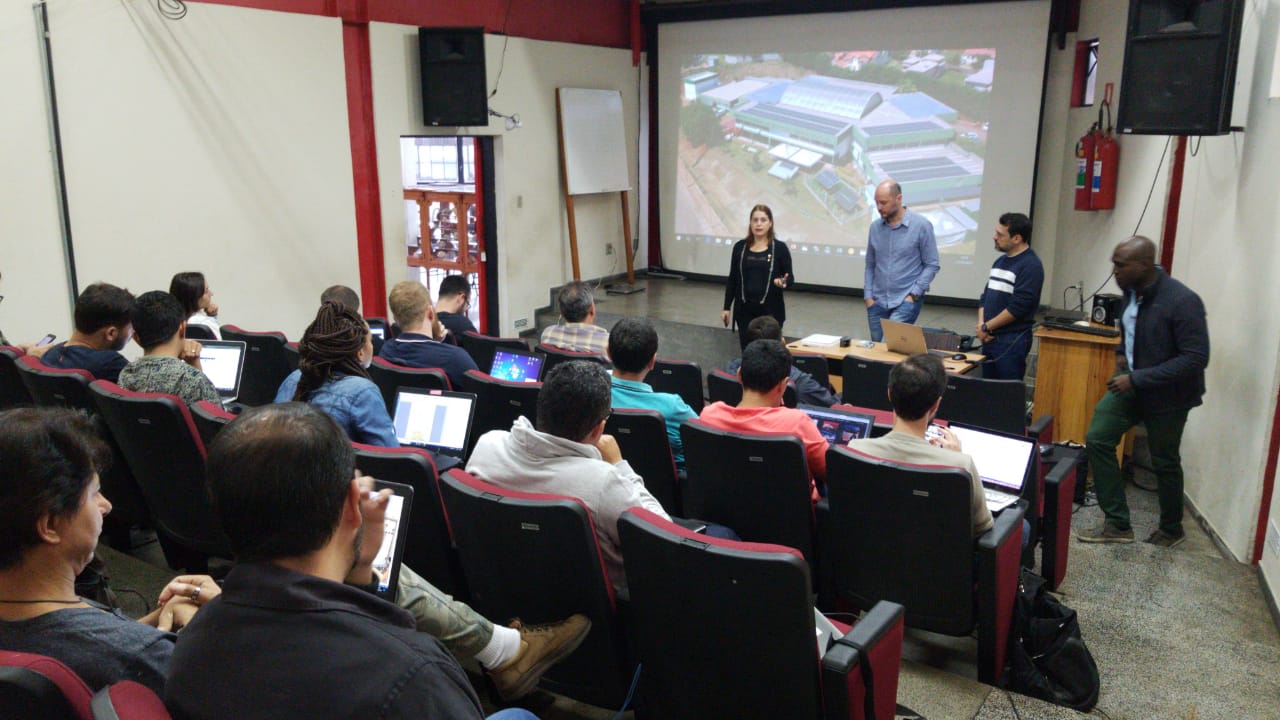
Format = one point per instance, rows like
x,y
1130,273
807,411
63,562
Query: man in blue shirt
x,y
1007,306
902,259
633,348
102,329
417,344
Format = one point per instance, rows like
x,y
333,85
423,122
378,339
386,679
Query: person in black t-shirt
x,y
451,307
102,330
759,270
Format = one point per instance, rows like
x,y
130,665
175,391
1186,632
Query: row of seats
x,y
498,549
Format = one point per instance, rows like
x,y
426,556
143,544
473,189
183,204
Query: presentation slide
x,y
808,113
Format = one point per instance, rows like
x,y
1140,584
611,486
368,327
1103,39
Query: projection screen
x,y
808,113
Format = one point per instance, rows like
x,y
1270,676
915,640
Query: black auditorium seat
x,y
266,364
679,377
389,377
536,556
158,437
699,603
757,485
903,533
642,438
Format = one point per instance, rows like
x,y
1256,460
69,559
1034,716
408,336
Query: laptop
x,y
386,564
223,363
1003,460
906,339
516,365
436,420
840,426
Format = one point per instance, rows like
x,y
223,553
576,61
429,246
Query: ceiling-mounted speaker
x,y
453,76
1180,67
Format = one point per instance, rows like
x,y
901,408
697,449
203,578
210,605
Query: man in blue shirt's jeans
x,y
902,259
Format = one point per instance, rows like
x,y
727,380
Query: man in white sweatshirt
x,y
569,454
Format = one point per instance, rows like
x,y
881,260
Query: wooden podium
x,y
1071,377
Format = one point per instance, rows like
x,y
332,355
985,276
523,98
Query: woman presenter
x,y
759,271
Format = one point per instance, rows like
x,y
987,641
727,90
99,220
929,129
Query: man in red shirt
x,y
766,365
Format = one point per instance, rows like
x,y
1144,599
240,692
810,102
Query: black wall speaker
x,y
453,76
1180,67
1106,309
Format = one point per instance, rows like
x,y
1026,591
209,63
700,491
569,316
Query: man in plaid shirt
x,y
577,330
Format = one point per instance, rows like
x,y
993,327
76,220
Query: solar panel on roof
x,y
827,179
921,126
847,200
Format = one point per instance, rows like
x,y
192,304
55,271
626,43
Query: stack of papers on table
x,y
819,339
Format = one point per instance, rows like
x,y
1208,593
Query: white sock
x,y
504,645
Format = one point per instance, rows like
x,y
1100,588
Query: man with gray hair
x,y
577,330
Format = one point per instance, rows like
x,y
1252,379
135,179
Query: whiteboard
x,y
593,141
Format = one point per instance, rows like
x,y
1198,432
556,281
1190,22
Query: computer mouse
x,y
959,356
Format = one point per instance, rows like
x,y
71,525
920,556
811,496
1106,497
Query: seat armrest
x,y
1060,485
1041,429
824,548
998,553
1006,523
879,633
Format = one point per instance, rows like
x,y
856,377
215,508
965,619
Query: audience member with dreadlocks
x,y
333,354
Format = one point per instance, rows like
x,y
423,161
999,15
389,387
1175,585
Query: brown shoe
x,y
1108,533
541,646
1164,539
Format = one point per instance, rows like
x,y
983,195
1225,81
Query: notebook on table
x,y
840,426
436,420
516,365
1003,460
906,339
222,361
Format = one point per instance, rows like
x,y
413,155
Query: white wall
x,y
31,259
205,144
533,234
1227,251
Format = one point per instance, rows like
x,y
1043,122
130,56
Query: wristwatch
x,y
984,329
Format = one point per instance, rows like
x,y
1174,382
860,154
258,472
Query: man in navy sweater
x,y
1007,307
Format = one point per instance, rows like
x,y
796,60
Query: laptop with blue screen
x,y
516,365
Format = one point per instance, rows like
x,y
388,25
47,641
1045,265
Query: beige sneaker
x,y
541,646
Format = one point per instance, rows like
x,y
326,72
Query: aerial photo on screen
x,y
812,134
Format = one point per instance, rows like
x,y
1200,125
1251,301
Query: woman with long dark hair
x,y
332,356
192,290
760,269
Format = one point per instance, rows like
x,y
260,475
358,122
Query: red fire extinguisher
x,y
1084,167
1106,161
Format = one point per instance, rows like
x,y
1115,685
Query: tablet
x,y
395,532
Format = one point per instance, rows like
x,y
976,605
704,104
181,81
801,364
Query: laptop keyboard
x,y
997,499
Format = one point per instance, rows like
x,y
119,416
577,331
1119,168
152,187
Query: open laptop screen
x,y
1002,459
438,420
840,426
222,362
516,366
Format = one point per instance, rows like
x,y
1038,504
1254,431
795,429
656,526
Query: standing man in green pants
x,y
1159,377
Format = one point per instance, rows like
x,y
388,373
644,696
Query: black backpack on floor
x,y
1047,657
